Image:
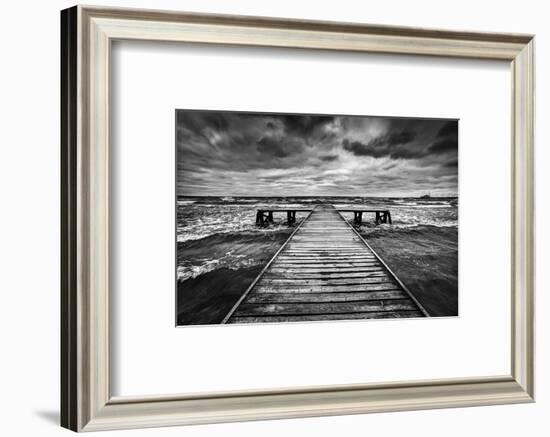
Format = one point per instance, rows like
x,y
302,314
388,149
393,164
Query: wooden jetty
x,y
381,216
265,216
324,271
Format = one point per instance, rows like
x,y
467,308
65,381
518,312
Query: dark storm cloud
x,y
447,139
229,153
448,129
452,163
304,124
392,145
279,147
199,121
415,142
360,149
328,158
442,146
393,139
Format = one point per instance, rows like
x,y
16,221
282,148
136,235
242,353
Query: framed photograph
x,y
267,218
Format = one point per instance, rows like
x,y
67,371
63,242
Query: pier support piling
x,y
290,217
265,216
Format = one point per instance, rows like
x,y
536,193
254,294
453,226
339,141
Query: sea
x,y
220,232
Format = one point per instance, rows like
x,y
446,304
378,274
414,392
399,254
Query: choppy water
x,y
220,232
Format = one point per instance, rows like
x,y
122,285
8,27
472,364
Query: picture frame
x,y
86,400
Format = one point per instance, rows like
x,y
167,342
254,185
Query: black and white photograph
x,y
267,218
299,217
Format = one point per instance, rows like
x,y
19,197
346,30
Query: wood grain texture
x,y
278,288
297,280
346,296
305,317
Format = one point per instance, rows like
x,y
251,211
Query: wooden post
x,y
289,218
261,217
389,217
377,220
270,217
360,218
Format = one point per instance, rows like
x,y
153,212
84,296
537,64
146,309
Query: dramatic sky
x,y
248,154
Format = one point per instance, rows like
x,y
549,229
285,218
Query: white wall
x,y
29,230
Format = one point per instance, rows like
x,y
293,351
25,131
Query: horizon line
x,y
328,195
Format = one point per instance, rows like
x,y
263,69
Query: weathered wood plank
x,y
321,238
339,251
320,262
289,309
325,231
329,257
327,242
306,264
350,244
352,247
321,257
328,281
324,297
337,260
334,268
332,234
324,244
325,276
326,317
327,253
275,288
327,260
354,244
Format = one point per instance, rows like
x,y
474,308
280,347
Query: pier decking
x,y
324,271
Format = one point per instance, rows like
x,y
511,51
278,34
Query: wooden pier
x,y
324,271
265,216
380,216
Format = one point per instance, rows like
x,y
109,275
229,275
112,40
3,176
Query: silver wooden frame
x,y
87,404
